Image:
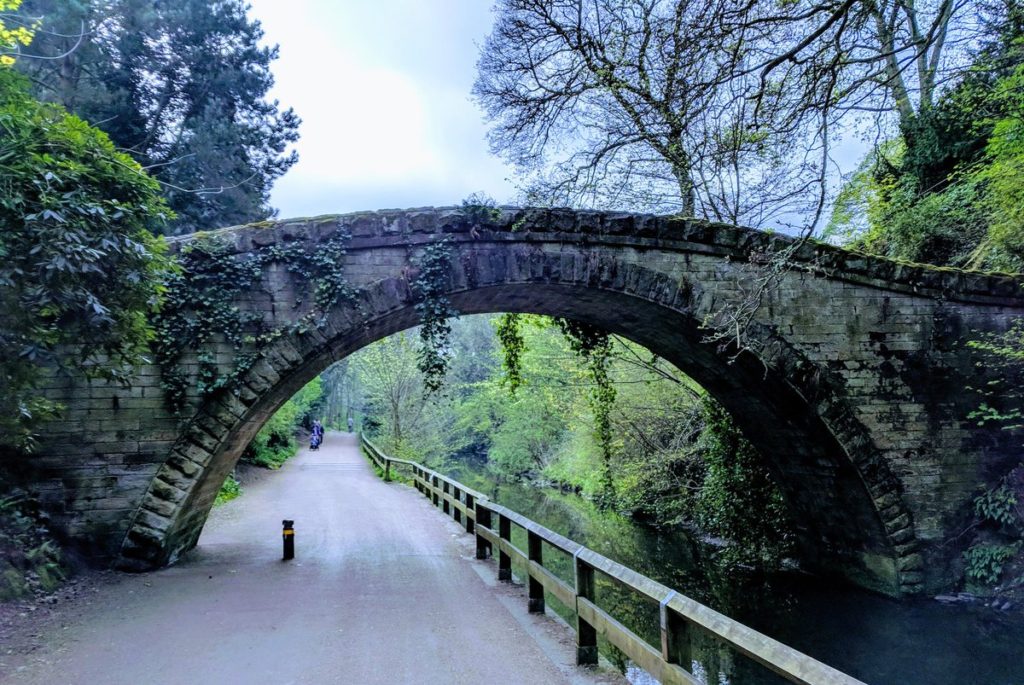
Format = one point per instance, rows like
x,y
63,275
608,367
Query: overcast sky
x,y
382,87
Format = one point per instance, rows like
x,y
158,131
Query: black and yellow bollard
x,y
288,538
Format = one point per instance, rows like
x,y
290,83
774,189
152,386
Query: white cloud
x,y
383,91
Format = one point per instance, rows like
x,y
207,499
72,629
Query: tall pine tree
x,y
181,86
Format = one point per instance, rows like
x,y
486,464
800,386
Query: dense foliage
x,y
181,86
736,485
947,190
717,109
594,346
79,268
591,413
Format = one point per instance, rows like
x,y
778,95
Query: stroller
x,y
314,441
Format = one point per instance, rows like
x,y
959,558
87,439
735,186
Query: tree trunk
x,y
687,193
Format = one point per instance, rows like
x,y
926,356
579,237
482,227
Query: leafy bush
x,y
999,514
78,266
229,490
998,505
30,560
985,561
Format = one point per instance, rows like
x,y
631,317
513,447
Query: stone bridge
x,y
852,387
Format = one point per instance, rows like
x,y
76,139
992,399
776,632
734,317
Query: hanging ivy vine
x,y
201,307
513,345
435,311
594,346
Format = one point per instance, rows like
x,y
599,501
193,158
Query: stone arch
x,y
852,515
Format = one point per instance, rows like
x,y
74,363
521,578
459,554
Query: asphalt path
x,y
384,589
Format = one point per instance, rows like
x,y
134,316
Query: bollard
x,y
288,538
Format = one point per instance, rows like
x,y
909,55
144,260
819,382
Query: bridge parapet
x,y
415,227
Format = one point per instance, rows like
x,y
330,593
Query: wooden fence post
x,y
535,554
504,560
470,502
675,642
483,519
586,634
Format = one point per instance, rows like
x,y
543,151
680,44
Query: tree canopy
x,y
180,86
949,191
720,109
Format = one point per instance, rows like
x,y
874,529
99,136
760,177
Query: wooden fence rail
x,y
492,523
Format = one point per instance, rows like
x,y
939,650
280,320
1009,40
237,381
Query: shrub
x,y
79,268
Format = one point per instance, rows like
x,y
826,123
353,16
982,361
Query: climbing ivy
x,y
594,346
435,311
326,270
430,288
201,307
513,345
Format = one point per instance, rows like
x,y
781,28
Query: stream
x,y
873,638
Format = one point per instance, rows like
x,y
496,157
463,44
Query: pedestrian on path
x,y
351,424
317,435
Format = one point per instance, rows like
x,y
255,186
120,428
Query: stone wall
x,y
855,392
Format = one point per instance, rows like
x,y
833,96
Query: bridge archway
x,y
848,505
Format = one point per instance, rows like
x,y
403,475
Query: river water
x,y
873,638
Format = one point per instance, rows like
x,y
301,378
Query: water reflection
x,y
872,638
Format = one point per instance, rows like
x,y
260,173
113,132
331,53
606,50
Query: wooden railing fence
x,y
492,524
